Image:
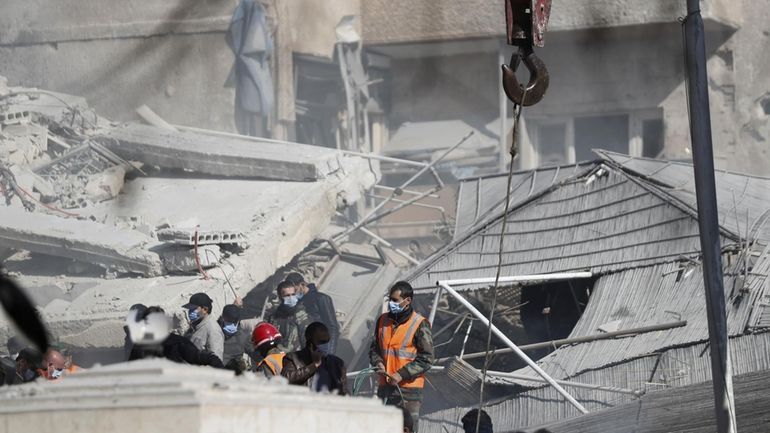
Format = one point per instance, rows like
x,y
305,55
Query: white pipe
x,y
520,279
515,376
434,307
511,344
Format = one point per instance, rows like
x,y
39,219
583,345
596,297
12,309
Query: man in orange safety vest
x,y
402,351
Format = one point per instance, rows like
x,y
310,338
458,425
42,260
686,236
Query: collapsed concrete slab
x,y
113,248
228,156
277,220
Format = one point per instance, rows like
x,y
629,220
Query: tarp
x,y
250,39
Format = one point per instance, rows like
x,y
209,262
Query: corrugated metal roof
x,y
743,200
648,296
675,367
600,223
482,197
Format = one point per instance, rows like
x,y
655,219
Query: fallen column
x,y
117,249
220,155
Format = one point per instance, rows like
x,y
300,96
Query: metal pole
x,y
352,127
434,308
575,340
513,346
708,219
614,389
559,276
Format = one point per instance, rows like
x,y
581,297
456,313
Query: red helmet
x,y
264,333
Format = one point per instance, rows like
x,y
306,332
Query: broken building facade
x,y
432,73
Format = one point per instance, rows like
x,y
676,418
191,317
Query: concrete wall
x,y
393,21
120,54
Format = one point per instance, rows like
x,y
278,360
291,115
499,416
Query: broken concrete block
x,y
86,241
205,237
106,185
181,259
221,155
3,86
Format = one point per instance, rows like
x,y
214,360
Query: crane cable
x,y
517,109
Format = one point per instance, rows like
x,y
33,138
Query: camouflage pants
x,y
412,400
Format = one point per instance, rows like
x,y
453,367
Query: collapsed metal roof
x,y
638,234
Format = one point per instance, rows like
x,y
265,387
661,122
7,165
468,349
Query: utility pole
x,y
708,219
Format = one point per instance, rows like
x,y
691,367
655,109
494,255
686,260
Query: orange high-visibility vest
x,y
397,347
274,362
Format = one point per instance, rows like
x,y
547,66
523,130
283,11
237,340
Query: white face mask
x,y
55,374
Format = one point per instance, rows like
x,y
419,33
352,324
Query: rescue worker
x,y
319,306
174,347
402,351
314,366
204,332
55,365
237,343
290,318
470,419
29,364
266,339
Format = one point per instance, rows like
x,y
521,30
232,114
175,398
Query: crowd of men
x,y
296,339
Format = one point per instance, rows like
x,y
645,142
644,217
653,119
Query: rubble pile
x,y
85,202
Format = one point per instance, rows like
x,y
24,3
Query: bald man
x,y
56,363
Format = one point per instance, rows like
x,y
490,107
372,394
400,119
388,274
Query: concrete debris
x,y
112,248
220,155
105,185
207,237
84,175
259,202
182,260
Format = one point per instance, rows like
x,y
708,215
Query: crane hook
x,y
538,78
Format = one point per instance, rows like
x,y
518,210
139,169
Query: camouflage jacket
x,y
291,323
423,341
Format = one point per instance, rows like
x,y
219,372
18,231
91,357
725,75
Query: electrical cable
x,y
517,109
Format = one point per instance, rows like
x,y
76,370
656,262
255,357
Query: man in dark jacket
x,y
174,348
319,306
314,366
290,318
237,340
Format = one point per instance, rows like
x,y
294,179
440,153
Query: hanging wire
x,y
517,109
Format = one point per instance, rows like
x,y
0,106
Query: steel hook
x,y
538,79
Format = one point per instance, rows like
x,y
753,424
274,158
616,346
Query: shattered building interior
x,y
153,150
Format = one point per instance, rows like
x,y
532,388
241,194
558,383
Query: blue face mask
x,y
230,328
300,295
55,374
324,348
395,307
290,301
193,315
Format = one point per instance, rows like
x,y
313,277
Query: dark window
x,y
600,132
551,144
652,138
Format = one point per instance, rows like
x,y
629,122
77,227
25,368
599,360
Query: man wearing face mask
x,y
315,366
290,317
237,342
29,364
402,351
55,364
319,306
204,331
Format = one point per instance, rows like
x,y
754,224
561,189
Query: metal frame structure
x,y
446,285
